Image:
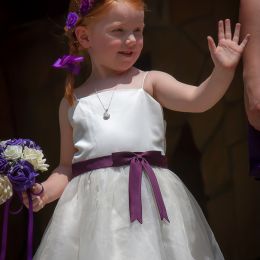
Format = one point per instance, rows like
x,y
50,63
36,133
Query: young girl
x,y
118,200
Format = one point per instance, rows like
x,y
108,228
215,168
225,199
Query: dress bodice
x,y
136,124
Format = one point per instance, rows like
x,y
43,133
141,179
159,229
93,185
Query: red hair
x,y
99,8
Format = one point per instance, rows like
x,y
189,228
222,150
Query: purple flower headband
x,y
73,17
71,62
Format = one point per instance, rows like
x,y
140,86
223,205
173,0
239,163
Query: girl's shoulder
x,y
83,90
64,108
155,75
152,77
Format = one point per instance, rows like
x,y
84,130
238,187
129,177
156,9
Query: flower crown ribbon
x,y
69,62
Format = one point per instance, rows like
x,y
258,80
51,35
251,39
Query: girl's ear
x,y
81,33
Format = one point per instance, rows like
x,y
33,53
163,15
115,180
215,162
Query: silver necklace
x,y
106,115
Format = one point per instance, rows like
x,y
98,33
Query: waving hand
x,y
228,51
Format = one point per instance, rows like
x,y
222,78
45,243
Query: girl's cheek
x,y
115,43
111,37
140,43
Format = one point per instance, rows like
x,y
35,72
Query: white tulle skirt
x,y
91,221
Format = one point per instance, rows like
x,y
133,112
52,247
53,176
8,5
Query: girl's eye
x,y
118,30
139,30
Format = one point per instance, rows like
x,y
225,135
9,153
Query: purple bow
x,y
69,62
138,161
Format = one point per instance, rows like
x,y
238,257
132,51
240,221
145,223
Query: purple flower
x,y
14,142
84,7
3,165
71,20
30,144
69,62
23,142
22,176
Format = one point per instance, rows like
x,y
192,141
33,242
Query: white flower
x,y
35,157
2,143
13,152
6,190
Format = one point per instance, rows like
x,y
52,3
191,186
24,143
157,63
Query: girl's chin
x,y
122,66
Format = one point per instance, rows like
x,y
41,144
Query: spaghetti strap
x,y
75,97
146,73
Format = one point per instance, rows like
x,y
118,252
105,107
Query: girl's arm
x,y
58,180
249,16
175,95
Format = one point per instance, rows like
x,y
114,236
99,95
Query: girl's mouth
x,y
126,53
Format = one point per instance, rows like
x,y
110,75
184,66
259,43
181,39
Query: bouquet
x,y
20,162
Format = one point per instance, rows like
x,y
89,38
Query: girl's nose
x,y
131,40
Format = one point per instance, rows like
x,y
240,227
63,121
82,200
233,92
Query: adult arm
x,y
250,18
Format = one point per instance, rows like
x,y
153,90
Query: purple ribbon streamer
x,y
30,227
4,231
5,228
138,161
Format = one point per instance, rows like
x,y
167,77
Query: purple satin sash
x,y
138,161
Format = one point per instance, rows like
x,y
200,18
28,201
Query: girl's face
x,y
115,40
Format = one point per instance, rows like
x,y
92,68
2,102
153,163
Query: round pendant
x,y
106,116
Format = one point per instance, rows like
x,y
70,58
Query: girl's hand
x,y
228,52
38,201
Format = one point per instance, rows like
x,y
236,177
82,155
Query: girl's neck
x,y
107,74
112,76
96,82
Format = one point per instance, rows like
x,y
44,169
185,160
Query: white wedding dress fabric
x,y
91,219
